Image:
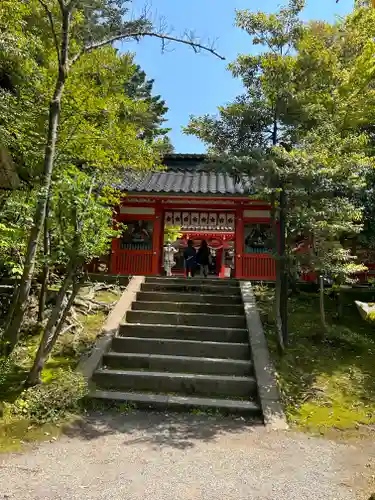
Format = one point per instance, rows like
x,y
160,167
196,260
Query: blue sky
x,y
195,84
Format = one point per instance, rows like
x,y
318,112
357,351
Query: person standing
x,y
169,262
190,259
203,258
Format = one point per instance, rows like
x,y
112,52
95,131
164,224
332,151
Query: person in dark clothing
x,y
203,258
190,259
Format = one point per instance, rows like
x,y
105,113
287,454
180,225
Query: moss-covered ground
x,y
328,386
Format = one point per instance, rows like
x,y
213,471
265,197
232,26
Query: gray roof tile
x,y
188,174
187,181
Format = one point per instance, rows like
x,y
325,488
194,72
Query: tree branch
x,y
62,5
50,18
139,34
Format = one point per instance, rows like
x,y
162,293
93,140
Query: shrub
x,y
50,402
10,376
6,367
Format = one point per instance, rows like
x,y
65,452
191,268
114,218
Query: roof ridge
x,y
193,180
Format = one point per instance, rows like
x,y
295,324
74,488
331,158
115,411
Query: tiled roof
x,y
188,174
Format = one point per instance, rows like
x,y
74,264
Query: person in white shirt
x,y
169,262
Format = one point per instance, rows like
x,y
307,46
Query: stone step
x,y
186,286
173,347
206,333
181,403
197,281
192,319
189,297
179,364
182,383
189,307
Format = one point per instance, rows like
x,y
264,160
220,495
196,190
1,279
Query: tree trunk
x,y
11,334
321,301
278,321
77,285
45,276
275,232
13,303
283,269
43,353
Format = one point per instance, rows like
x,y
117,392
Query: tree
x,y
141,89
76,30
296,131
335,89
83,231
21,79
97,142
249,131
98,130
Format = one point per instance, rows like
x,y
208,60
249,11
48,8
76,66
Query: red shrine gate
x,y
237,229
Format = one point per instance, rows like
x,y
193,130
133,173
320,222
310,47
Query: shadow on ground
x,y
179,431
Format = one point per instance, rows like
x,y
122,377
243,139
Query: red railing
x,y
258,267
132,262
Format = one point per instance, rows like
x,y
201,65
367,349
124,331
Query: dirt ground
x,y
149,456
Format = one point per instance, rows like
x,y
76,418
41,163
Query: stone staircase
x,y
183,345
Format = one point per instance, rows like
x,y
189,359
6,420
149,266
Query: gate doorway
x,y
222,254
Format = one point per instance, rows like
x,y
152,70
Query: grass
x,y
15,432
328,386
18,433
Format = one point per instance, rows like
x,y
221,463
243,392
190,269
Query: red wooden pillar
x,y
156,239
238,245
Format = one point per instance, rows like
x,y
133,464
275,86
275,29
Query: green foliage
x,y
84,227
300,126
140,89
53,401
15,221
101,121
7,366
172,233
248,124
109,120
101,126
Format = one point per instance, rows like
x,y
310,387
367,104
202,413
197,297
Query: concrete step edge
x,y
190,284
192,327
198,279
194,283
176,375
184,341
207,296
183,303
168,357
173,313
178,401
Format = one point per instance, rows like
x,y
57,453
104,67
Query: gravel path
x,y
159,457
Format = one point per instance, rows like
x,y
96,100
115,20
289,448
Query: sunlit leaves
x,y
301,125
